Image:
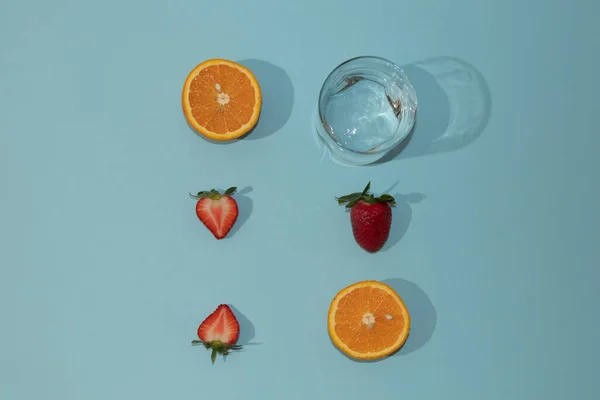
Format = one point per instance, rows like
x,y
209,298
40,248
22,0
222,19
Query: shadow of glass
x,y
455,105
278,97
402,216
422,314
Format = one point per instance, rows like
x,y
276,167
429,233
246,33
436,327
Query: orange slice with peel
x,y
368,320
221,99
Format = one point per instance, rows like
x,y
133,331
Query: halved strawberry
x,y
220,332
218,212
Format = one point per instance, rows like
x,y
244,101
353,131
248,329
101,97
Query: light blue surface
x,y
105,271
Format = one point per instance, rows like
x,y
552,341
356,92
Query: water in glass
x,y
366,107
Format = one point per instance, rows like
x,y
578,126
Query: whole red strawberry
x,y
219,332
370,216
218,212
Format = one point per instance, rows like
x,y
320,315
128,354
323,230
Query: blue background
x,y
105,271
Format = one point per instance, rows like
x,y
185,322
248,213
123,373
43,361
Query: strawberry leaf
x,y
386,198
350,200
213,194
230,191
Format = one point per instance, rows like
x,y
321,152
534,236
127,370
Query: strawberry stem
x,y
351,199
213,194
217,347
213,355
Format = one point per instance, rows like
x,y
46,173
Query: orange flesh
x,y
354,333
222,98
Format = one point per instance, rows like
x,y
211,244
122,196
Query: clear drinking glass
x,y
367,106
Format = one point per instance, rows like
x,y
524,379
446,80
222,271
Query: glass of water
x,y
367,106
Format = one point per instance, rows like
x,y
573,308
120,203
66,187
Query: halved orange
x,y
368,320
221,99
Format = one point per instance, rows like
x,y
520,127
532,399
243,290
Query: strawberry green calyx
x,y
351,199
213,194
217,347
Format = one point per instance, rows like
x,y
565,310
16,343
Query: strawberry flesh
x,y
370,217
220,326
371,225
219,332
218,212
